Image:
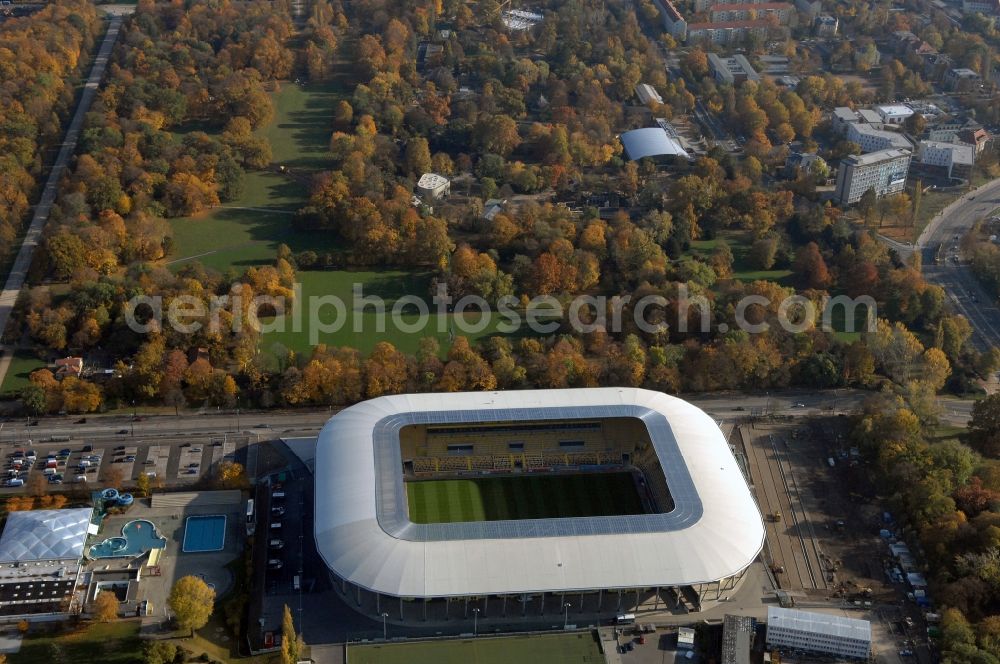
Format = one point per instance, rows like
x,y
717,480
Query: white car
x,y
80,479
17,481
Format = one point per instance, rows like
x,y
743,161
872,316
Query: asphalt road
x,y
267,425
22,263
963,291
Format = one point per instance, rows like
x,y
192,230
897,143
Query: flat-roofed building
x,y
432,185
961,79
731,70
883,171
871,139
737,639
893,114
790,629
843,117
950,159
647,93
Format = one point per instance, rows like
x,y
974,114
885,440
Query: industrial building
x,y
697,538
883,171
805,631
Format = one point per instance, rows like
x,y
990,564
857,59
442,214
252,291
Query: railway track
x,y
777,491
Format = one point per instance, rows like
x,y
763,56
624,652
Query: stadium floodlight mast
x,y
475,621
566,615
385,633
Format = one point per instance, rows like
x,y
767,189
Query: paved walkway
x,y
19,271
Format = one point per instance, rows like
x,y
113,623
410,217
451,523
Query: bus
x,y
251,518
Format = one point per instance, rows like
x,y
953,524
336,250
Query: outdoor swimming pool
x,y
204,533
137,537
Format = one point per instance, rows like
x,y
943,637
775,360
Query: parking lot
x,y
74,462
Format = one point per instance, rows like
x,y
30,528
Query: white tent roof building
x,y
45,535
710,537
651,142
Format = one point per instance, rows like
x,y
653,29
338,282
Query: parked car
x,y
65,451
276,544
17,481
130,457
274,563
123,432
87,448
278,510
80,479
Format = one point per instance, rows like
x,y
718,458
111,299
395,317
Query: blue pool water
x,y
137,537
204,533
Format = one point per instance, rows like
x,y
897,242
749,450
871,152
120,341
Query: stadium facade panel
x,y
709,534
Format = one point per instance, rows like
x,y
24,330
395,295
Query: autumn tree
x,y
192,603
811,267
105,608
231,475
290,645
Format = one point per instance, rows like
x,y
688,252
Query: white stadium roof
x,y
364,535
44,535
650,142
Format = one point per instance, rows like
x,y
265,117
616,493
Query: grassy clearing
x,y
247,231
112,643
21,365
579,648
529,497
300,132
739,243
389,285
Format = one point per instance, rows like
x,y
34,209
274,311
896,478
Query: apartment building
x,y
884,171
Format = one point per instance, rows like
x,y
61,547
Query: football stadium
x,y
610,500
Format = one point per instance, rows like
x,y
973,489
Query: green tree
x,y
160,652
34,399
192,603
418,156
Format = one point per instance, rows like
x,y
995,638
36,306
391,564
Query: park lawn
x,y
522,497
740,243
575,648
21,365
111,643
300,131
386,284
247,231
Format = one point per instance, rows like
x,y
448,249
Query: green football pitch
x,y
578,648
522,497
